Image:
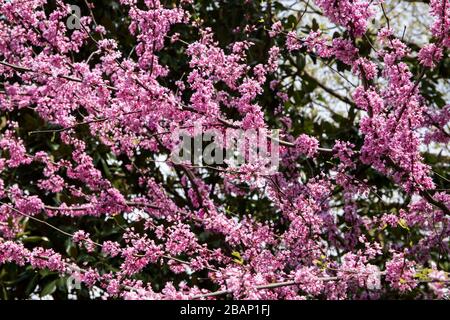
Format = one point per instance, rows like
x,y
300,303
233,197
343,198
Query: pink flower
x,y
309,280
314,42
30,205
306,145
429,55
400,273
114,116
111,248
80,236
353,15
365,68
292,42
277,28
344,50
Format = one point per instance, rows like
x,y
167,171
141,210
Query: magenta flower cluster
x,y
129,108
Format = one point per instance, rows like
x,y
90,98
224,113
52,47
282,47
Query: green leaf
x,y
106,168
48,289
402,223
300,62
31,285
71,249
34,239
4,293
239,259
315,25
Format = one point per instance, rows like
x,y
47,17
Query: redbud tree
x,y
93,205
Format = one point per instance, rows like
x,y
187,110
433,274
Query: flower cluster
x,y
301,232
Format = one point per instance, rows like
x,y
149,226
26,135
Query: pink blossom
x,y
292,42
365,68
400,273
277,27
306,145
353,15
429,55
359,211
